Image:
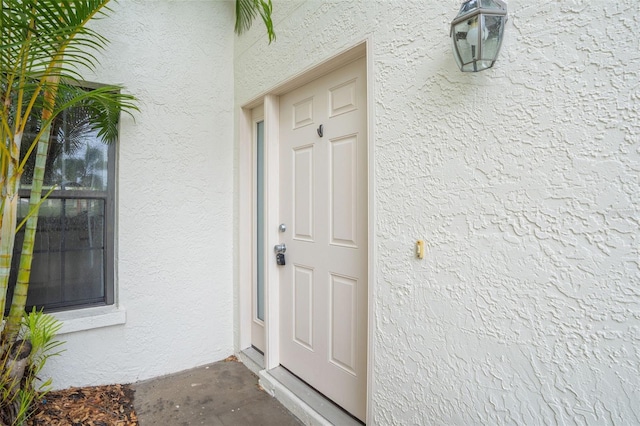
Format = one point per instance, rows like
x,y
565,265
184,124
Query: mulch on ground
x,y
110,405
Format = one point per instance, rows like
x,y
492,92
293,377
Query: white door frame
x,y
245,254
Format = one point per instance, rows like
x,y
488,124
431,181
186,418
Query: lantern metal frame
x,y
478,9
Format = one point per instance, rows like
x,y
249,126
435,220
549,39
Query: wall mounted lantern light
x,y
477,33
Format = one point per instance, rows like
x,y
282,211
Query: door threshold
x,y
311,407
253,359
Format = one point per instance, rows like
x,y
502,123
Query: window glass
x,y
260,255
73,253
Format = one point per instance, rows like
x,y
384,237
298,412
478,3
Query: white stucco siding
x,y
175,195
524,182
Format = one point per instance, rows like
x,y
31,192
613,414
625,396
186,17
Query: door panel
x,y
343,306
303,192
303,306
323,196
343,188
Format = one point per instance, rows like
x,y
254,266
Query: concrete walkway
x,y
224,393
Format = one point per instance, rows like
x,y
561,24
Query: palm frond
x,y
46,28
103,106
45,38
96,110
246,12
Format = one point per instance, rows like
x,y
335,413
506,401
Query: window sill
x,y
90,318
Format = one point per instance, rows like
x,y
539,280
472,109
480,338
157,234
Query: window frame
x,y
109,197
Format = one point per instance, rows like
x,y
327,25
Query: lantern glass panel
x,y
465,41
494,28
477,41
492,4
468,6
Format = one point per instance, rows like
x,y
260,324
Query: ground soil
x,y
89,406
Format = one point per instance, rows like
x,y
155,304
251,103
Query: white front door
x,y
323,204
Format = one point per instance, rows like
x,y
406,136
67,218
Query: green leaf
x,y
246,12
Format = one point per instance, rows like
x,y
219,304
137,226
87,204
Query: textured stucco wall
x,y
175,195
525,182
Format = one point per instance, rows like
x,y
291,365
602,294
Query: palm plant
x,y
44,46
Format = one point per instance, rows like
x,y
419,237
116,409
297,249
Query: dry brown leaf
x,y
91,406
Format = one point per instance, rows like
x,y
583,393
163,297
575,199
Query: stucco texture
x,y
524,180
174,197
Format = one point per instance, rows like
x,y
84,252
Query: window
x,y
74,247
260,216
